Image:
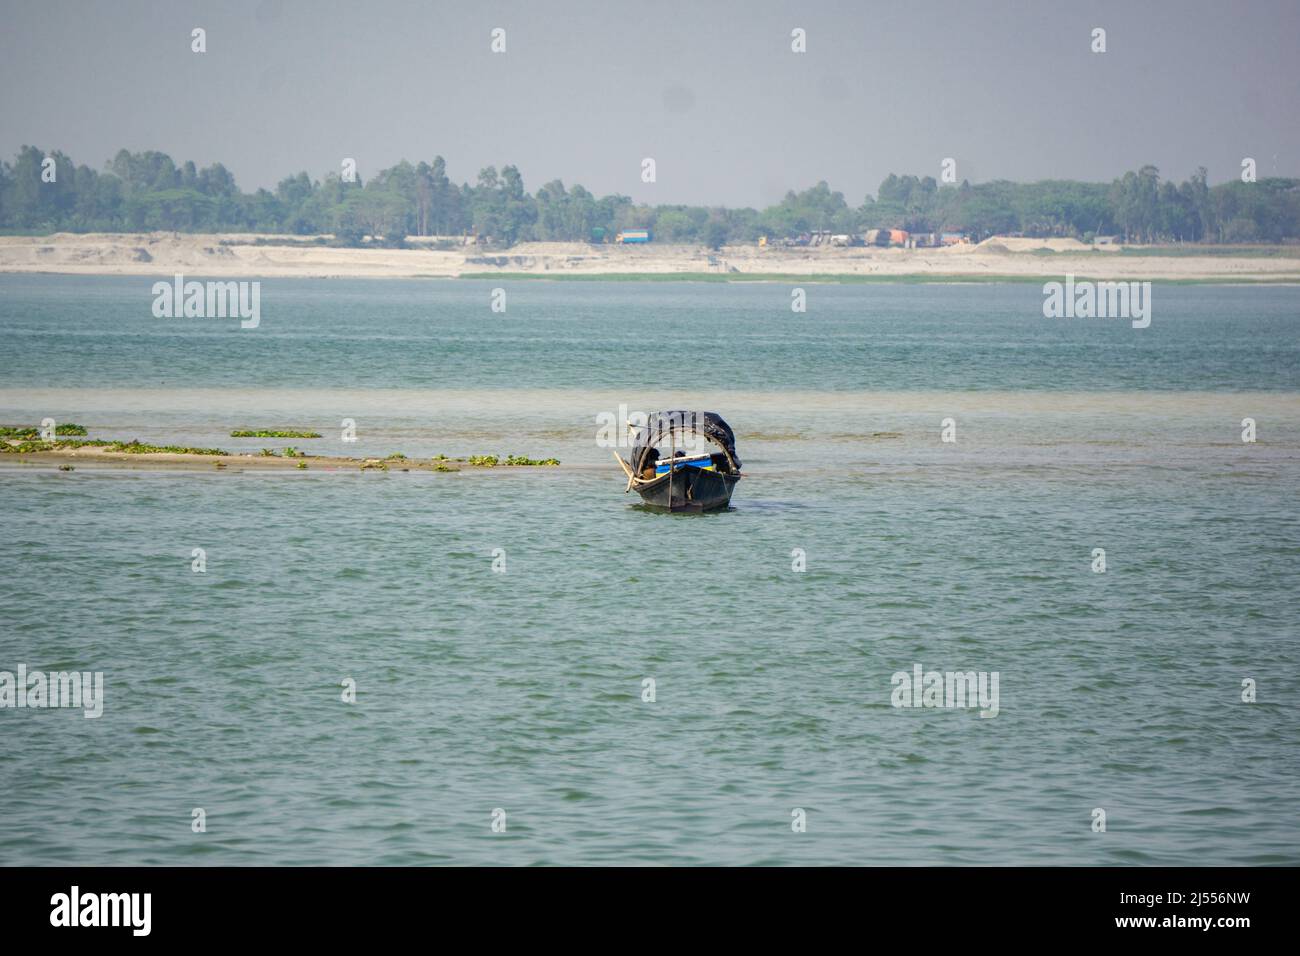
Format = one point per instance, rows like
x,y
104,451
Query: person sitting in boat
x,y
651,460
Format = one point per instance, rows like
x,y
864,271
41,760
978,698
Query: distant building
x,y
953,238
898,237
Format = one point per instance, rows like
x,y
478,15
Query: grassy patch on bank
x,y
784,277
33,432
130,447
27,447
854,279
396,459
1226,252
135,447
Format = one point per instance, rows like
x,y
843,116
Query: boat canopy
x,y
661,425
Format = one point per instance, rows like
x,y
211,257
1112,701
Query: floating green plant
x,y
273,433
491,461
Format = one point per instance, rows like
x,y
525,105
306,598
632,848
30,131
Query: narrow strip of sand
x,y
70,457
996,259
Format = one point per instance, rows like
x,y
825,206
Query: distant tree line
x,y
147,191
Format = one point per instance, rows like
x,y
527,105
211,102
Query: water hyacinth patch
x,y
273,433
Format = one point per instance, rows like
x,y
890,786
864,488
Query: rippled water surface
x,y
523,690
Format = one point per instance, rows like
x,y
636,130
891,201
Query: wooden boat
x,y
670,479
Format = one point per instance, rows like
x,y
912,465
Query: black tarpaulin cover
x,y
660,424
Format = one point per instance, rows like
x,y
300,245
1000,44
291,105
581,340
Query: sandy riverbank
x,y
246,256
69,458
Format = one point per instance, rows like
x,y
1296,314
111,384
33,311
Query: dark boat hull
x,y
689,490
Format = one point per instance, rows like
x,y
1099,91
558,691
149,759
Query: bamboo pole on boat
x,y
630,477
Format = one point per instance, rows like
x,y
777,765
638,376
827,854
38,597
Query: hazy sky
x,y
710,90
